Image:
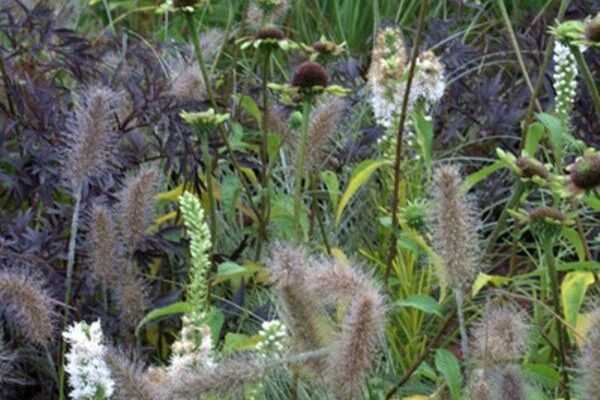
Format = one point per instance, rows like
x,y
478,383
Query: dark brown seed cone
x,y
531,167
184,3
592,30
547,212
310,74
270,32
585,174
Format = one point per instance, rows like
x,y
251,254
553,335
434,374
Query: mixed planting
x,y
299,199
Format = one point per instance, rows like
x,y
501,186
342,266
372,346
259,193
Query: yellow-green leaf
x,y
360,176
573,289
484,279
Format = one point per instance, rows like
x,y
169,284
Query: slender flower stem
x,y
199,57
515,44
501,223
300,168
540,81
208,168
264,158
70,267
548,247
398,160
464,340
587,77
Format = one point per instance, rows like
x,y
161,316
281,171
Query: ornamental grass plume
x,y
300,310
91,135
324,122
187,83
455,237
509,384
104,246
480,385
228,377
500,336
135,209
132,300
28,304
455,229
355,348
589,360
132,381
89,375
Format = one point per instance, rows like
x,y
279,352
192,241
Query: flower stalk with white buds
x,y
89,375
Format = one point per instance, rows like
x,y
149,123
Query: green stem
x,y
554,287
300,169
501,223
540,81
264,158
515,44
209,187
464,340
587,77
199,57
399,135
70,267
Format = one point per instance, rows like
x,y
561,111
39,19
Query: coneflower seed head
x,y
310,74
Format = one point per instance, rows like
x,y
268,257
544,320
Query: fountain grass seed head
x,y
500,336
91,135
28,305
455,227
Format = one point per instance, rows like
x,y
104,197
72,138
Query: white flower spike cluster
x,y
273,335
388,78
565,80
89,376
194,347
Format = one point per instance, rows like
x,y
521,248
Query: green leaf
x,y
273,144
360,176
573,289
572,236
332,183
483,280
215,320
480,175
543,374
558,135
249,105
448,365
229,270
423,303
424,130
180,307
534,135
235,342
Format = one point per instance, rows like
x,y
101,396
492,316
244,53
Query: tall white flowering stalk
x,y
565,80
193,348
200,245
387,80
273,336
89,375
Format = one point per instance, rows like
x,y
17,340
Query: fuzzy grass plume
x,y
135,209
132,380
91,135
455,237
290,267
29,306
589,360
500,336
104,253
